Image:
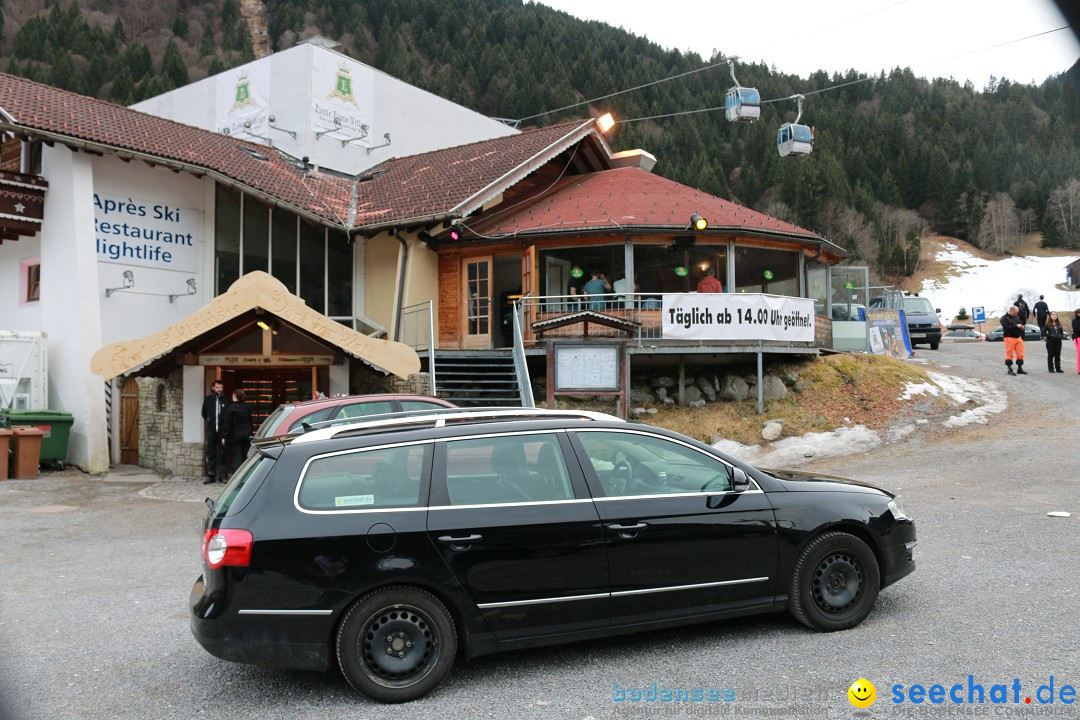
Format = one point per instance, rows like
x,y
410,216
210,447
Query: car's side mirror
x,y
937,310
739,480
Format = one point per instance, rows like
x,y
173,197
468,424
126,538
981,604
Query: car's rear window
x,y
252,470
365,479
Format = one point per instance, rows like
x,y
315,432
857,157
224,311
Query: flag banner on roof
x,y
242,101
737,316
343,98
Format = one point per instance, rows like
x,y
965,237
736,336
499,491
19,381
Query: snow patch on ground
x,y
982,399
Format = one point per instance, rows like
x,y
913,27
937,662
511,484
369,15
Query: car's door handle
x,y
460,543
627,531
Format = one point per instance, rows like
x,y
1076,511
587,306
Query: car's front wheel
x,y
835,582
396,644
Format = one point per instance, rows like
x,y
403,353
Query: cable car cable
x,y
621,92
846,84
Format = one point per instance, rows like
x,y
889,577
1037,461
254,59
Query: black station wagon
x,y
391,546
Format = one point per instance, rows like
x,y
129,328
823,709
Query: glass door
x,y
477,303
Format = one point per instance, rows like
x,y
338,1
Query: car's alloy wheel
x,y
396,644
835,582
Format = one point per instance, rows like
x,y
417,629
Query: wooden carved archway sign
x,y
254,290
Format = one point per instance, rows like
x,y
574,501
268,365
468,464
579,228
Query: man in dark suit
x,y
213,415
1042,314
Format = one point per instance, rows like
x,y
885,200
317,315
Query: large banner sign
x,y
243,101
343,98
736,316
146,233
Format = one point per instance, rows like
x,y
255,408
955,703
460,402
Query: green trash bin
x,y
55,423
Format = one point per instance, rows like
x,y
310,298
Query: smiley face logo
x,y
862,693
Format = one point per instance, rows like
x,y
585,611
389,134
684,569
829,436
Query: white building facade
x,y
133,242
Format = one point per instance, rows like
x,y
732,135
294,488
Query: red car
x,y
288,417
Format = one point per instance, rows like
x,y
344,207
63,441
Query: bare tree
x,y
900,234
1063,209
1000,227
780,210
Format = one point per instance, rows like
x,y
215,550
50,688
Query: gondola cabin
x,y
742,104
792,139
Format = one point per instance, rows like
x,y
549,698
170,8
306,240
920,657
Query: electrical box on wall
x,y
24,374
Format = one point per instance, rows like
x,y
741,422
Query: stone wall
x,y
161,428
415,384
364,380
705,385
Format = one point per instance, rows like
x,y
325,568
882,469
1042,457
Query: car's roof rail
x,y
338,422
439,418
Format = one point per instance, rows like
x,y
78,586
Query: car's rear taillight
x,y
223,547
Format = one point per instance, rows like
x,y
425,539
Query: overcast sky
x,y
868,35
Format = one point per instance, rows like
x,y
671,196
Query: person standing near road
x,y
236,430
1023,309
1012,328
1076,337
1053,332
1042,312
213,409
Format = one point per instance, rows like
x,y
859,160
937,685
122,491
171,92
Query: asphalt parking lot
x,y
93,607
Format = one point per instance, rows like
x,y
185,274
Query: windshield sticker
x,y
349,500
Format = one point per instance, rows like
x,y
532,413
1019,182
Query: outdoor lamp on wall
x,y
129,282
190,290
605,122
697,222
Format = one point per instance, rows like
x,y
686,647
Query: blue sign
x,y
978,314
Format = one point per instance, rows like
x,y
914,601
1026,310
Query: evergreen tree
x,y
207,47
122,89
173,67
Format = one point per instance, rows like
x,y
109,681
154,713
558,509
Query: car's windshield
x,y
918,305
266,429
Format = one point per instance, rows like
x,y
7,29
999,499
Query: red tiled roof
x,y
430,184
435,185
67,115
625,198
442,180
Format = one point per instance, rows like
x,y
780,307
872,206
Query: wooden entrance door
x,y
530,288
264,389
129,422
477,276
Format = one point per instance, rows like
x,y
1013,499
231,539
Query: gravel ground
x,y
93,615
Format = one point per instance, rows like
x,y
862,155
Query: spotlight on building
x,y
129,282
697,222
605,122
